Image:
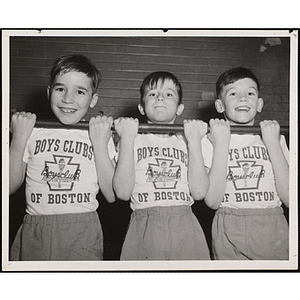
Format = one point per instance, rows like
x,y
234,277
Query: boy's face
x,y
161,103
239,102
70,96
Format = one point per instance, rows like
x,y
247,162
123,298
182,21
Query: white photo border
x,y
145,266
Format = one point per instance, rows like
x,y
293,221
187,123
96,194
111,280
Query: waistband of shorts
x,y
250,211
164,210
61,218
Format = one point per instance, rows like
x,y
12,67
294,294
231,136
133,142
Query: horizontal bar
x,y
154,128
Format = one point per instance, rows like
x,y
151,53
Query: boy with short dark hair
x,y
63,169
249,175
162,174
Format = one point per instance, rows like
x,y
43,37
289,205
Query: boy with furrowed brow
x,y
162,187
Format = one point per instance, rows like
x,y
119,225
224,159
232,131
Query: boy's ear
x,y
219,106
260,104
48,92
94,101
180,109
141,109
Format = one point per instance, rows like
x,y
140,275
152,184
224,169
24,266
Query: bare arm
x,y
100,134
271,137
22,124
124,178
194,131
220,138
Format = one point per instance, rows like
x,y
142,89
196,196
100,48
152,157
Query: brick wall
x,y
125,61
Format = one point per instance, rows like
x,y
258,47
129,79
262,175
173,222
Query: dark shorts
x,y
165,233
59,237
250,234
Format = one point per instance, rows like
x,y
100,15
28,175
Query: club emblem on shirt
x,y
163,174
246,175
60,174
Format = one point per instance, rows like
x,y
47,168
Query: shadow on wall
x,y
208,111
37,103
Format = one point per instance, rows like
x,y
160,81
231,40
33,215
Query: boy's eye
x,y
59,89
80,92
169,95
151,94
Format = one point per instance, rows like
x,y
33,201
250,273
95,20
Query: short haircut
x,y
232,76
76,62
152,79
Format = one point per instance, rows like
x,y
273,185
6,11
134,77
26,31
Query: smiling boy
x,y
248,175
63,169
71,95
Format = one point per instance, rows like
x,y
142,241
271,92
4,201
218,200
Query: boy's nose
x,y
160,97
68,98
243,98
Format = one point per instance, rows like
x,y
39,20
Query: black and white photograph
x,y
149,150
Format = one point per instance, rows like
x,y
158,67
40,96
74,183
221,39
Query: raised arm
x,y
22,124
124,178
100,134
271,137
194,130
220,138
